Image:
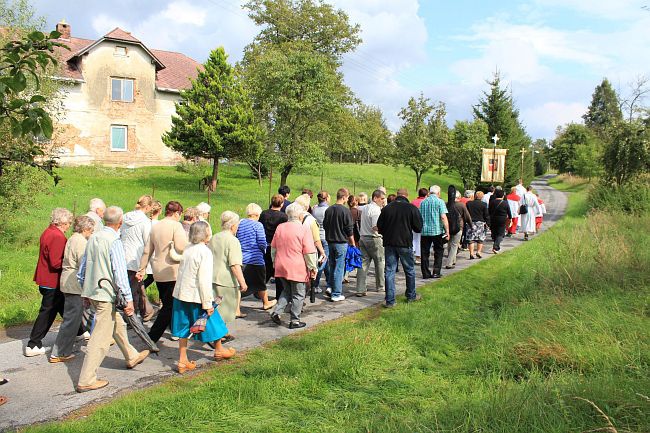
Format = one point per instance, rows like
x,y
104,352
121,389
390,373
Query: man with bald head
x,y
396,224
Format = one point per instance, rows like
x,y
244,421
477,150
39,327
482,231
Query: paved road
x,y
39,391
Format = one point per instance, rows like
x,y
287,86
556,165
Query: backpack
x,y
453,218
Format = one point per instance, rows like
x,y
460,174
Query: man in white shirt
x,y
370,243
96,209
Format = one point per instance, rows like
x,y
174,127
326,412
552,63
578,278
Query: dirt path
x,y
39,391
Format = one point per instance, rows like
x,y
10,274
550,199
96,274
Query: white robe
x,y
528,219
520,190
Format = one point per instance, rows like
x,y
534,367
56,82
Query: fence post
x,y
153,190
321,180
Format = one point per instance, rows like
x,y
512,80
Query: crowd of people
x,y
298,245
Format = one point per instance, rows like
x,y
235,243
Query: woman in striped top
x,y
253,245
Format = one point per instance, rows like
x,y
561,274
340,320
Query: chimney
x,y
63,28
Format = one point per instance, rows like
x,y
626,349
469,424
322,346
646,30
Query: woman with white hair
x,y
73,307
252,239
193,294
227,274
293,251
204,211
48,278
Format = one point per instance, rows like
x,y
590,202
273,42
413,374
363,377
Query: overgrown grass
x,y
520,343
19,298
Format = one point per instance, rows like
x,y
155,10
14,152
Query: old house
x,y
119,99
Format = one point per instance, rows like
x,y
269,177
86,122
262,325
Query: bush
x,y
195,168
19,184
631,197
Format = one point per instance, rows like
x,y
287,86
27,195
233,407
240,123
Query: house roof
x,y
173,70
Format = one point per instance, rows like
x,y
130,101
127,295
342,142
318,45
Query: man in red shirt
x,y
48,276
513,203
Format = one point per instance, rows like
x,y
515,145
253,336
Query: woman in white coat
x,y
528,219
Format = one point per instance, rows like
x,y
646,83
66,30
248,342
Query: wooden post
x,y
521,176
74,209
354,188
270,182
153,190
321,180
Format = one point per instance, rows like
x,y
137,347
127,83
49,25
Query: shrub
x,y
20,183
632,197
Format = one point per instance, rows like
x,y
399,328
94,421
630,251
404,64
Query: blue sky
x,y
552,53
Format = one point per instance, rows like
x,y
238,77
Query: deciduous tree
x,y
464,154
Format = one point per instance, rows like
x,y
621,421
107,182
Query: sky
x,y
550,53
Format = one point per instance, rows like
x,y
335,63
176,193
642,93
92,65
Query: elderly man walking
x,y
339,232
96,209
435,231
370,244
397,222
104,258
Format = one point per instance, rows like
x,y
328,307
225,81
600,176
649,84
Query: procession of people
x,y
201,277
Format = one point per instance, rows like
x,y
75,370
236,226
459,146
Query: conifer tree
x,y
214,118
604,112
497,109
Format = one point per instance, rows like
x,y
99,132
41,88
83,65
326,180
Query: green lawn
x,y
19,298
510,345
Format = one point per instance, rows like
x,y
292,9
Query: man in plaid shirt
x,y
435,231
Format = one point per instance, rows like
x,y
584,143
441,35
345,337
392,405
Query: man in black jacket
x,y
338,225
396,224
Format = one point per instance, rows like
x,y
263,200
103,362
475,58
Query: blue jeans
x,y
323,268
336,267
404,255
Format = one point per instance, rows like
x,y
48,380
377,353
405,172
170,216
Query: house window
x,y
118,138
122,89
120,51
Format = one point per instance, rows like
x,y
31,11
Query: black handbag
x,y
523,209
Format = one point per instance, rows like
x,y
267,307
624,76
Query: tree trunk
x,y
418,177
215,175
259,173
285,174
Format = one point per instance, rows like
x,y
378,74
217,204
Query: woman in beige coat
x,y
227,274
165,269
73,308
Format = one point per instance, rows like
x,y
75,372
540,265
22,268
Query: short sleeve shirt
x,y
432,209
226,251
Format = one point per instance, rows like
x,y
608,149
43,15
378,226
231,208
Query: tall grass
x,y
524,342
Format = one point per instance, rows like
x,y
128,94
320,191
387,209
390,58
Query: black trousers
x,y
270,272
51,305
136,293
425,252
498,230
164,319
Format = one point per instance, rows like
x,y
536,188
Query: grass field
x,y
19,298
540,339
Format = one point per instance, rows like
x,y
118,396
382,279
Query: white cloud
x,y
183,12
607,9
549,115
103,24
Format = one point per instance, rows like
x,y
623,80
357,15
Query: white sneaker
x,y
34,351
85,336
338,298
328,292
172,338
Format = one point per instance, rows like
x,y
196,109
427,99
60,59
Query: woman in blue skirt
x,y
193,294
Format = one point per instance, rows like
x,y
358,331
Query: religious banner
x,y
493,165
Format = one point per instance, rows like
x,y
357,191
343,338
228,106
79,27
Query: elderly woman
x,y
193,294
227,273
190,216
293,251
204,211
252,239
48,278
73,306
477,232
158,250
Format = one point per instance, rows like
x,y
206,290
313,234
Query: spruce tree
x,y
604,112
497,110
214,118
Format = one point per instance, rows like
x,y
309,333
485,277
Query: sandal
x,y
270,305
226,354
227,339
241,316
185,367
